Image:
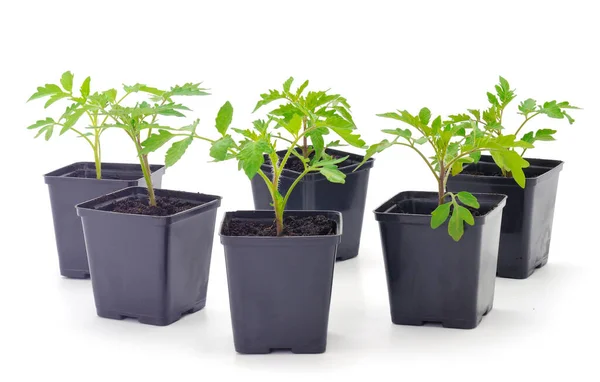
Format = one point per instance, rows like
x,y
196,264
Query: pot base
x,y
151,320
449,323
75,273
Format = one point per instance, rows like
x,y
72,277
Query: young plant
x,y
138,122
300,119
93,105
453,144
491,118
313,112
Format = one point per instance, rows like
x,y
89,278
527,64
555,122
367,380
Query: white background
x,y
381,56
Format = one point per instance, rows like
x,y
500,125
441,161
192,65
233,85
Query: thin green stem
x,y
146,172
422,156
524,122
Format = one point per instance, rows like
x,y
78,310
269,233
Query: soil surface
x,y
295,164
317,225
164,206
482,173
105,175
427,209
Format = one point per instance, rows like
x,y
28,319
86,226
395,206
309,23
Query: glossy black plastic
x,y
151,268
314,192
67,190
528,216
431,278
280,287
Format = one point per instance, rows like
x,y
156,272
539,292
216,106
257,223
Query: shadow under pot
x,y
529,212
153,268
430,277
74,184
315,192
280,287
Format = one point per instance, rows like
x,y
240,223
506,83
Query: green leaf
x,y
436,125
475,113
301,88
421,140
251,156
85,87
440,214
467,199
344,129
513,162
529,138
456,227
260,125
333,174
224,117
287,84
267,98
527,106
176,151
187,89
44,91
220,148
544,135
391,115
492,99
424,115
49,131
66,80
40,123
54,98
294,125
331,161
552,110
72,119
374,149
155,141
143,88
457,168
404,133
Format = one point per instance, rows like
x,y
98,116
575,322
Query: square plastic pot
x,y
528,216
75,184
280,287
151,268
430,277
315,192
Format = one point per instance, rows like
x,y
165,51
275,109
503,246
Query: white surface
x,y
381,56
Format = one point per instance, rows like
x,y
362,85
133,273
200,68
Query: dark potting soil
x,y
295,164
482,173
317,225
164,206
91,174
426,208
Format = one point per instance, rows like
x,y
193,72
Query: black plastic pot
x,y
75,184
152,268
315,192
431,278
527,218
280,287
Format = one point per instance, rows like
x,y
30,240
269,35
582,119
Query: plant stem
x,y
423,157
441,184
304,140
146,172
524,122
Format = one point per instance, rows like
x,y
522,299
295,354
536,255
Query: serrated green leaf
x,y
391,115
333,174
40,123
294,125
251,156
287,84
493,99
475,113
331,161
527,106
176,151
301,88
85,87
267,98
421,140
436,125
424,115
187,89
66,80
404,133
544,135
156,141
220,148
54,98
456,227
49,131
72,119
44,91
467,199
440,215
224,117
